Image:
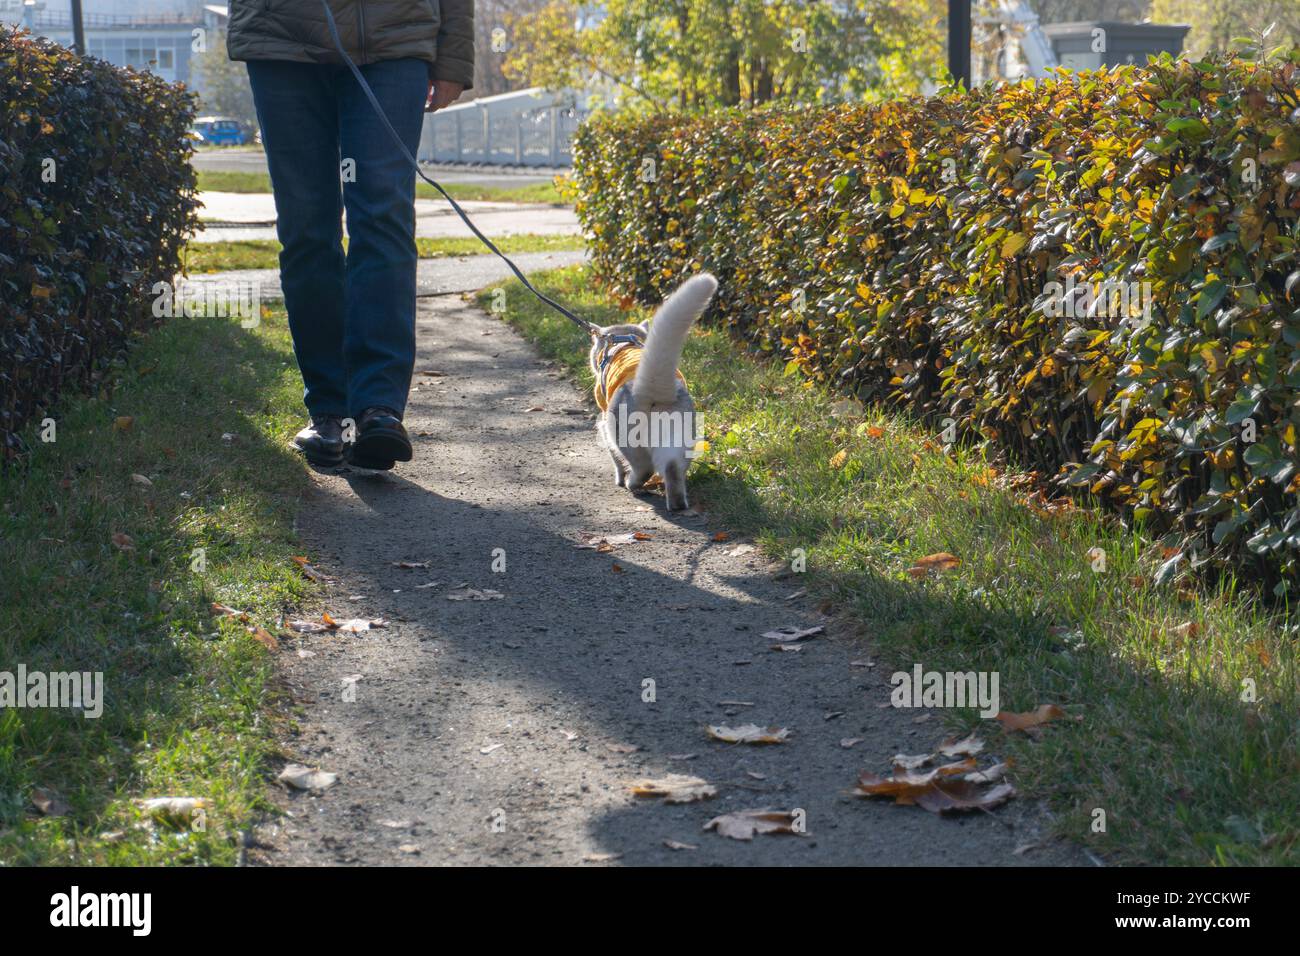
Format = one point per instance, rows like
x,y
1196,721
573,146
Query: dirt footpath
x,y
506,730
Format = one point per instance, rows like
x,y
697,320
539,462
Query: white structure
x,y
530,127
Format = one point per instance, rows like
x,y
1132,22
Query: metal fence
x,y
525,128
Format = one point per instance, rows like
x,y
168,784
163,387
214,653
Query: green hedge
x,y
905,251
96,198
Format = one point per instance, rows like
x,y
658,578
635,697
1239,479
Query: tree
x,y
701,54
225,87
1216,23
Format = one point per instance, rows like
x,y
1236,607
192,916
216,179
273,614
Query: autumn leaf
x,y
305,778
940,561
308,571
748,734
123,542
674,788
957,795
744,824
49,803
1031,720
721,536
790,634
123,423
968,746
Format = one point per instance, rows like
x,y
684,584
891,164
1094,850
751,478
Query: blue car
x,y
220,131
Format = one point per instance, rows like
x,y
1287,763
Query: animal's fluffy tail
x,y
656,375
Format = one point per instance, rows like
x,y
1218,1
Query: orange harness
x,y
617,368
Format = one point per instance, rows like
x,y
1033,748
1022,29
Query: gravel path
x,y
506,730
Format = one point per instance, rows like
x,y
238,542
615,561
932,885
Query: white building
x,y
157,35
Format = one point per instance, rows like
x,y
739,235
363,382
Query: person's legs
x,y
299,116
379,336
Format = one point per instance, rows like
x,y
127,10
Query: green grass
x,y
235,181
186,693
1185,771
201,257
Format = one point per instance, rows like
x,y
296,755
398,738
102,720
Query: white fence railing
x,y
525,128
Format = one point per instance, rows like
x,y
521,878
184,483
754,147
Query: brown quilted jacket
x,y
440,32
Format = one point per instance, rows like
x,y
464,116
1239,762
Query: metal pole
x,y
959,40
78,29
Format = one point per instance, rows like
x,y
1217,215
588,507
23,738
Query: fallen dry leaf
x,y
910,761
748,734
308,571
790,633
123,542
743,824
721,536
601,857
955,795
473,594
674,845
142,480
305,778
623,748
674,788
265,638
49,803
847,742
968,746
176,811
123,423
410,564
1030,720
941,561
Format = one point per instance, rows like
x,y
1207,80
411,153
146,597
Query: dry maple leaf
x,y
265,638
910,761
743,824
950,796
123,423
49,803
473,594
123,542
939,561
308,571
790,633
721,536
905,785
305,778
176,811
748,734
968,746
674,788
1030,720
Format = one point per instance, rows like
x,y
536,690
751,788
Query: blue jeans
x,y
352,317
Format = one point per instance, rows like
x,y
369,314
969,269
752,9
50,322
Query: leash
x,y
589,327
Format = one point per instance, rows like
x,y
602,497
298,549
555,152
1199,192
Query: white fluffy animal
x,y
647,417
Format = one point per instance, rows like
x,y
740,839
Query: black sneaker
x,y
321,442
381,440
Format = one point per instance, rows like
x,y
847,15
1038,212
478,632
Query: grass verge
x,y
236,181
204,257
1158,743
102,571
